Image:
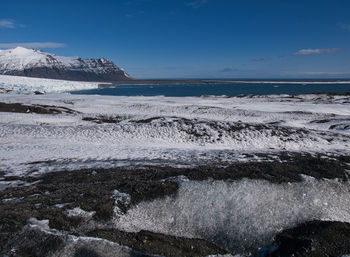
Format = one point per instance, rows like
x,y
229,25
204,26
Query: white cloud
x,y
316,51
197,3
33,45
7,24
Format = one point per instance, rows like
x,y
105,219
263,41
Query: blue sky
x,y
190,38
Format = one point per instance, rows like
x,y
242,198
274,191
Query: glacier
x,y
22,84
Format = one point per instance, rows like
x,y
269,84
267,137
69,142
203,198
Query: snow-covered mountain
x,y
36,63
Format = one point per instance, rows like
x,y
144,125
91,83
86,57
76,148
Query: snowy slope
x,y
109,130
35,63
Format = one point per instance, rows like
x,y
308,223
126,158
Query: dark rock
x,y
160,244
104,119
83,252
40,109
314,239
113,73
32,242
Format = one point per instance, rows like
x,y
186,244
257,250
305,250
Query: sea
x,y
219,88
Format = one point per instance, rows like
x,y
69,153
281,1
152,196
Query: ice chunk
x,y
240,215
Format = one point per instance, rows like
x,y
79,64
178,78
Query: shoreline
x,y
210,81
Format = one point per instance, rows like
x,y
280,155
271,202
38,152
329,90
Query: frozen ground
x,y
240,208
106,131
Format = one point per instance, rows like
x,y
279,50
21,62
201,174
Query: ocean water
x,y
228,89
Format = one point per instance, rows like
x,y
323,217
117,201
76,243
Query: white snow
x,y
40,224
165,130
80,245
26,84
78,212
21,58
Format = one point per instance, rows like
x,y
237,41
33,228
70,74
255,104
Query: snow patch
x,y
78,212
40,224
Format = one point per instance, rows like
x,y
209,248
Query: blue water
x,y
229,89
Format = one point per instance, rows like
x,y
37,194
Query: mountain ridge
x,y
21,61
